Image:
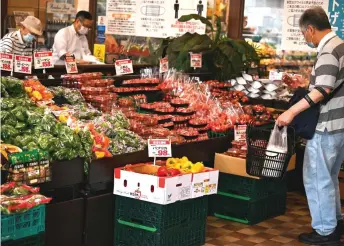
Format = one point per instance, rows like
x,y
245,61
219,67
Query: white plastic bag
x,y
278,143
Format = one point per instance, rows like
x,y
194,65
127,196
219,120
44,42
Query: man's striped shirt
x,y
13,43
328,72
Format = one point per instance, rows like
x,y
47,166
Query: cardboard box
x,y
204,183
139,183
237,166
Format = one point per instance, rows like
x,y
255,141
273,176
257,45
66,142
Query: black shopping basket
x,y
258,163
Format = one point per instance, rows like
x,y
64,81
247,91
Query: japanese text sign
x,y
22,64
6,62
71,66
124,67
163,65
195,60
159,148
43,60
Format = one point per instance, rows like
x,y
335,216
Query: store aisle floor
x,y
282,230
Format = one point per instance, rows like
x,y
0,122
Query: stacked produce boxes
x,y
248,200
148,224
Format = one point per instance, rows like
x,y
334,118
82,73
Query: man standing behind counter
x,y
72,40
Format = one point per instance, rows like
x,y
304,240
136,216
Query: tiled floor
x,y
282,230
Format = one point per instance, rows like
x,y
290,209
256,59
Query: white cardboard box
x,y
205,183
146,187
163,190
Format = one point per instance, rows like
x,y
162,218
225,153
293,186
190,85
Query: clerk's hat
x,y
33,24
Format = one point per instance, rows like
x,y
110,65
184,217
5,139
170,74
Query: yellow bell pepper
x,y
28,89
197,167
63,118
99,154
37,95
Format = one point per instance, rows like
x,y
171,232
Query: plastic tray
x,y
188,234
160,217
248,188
231,207
37,240
16,226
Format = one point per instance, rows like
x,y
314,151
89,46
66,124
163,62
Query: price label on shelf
x,y
240,132
163,65
159,148
6,62
22,64
43,60
275,75
70,63
196,60
124,67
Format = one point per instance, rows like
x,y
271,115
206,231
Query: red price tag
x,y
163,65
6,62
43,60
124,67
159,148
240,132
22,64
71,66
196,60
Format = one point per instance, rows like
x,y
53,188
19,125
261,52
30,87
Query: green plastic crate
x,y
37,240
230,207
248,188
160,217
188,234
16,226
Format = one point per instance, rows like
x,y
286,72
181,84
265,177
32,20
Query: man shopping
x,y
325,151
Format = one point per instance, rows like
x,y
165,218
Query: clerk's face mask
x,y
84,26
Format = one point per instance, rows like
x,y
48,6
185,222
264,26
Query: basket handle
x,y
137,226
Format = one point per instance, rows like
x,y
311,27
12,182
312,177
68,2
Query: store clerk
x,y
72,40
20,42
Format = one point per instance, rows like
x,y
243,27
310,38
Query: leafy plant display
x,y
224,57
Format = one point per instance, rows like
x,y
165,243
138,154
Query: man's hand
x,y
286,118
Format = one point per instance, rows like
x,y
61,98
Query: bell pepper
x,y
197,167
37,95
173,172
162,172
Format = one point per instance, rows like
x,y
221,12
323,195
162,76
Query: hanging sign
x,y
6,62
22,64
154,18
163,65
70,63
43,60
124,67
292,38
196,60
336,10
159,148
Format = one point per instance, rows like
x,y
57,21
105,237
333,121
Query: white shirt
x,y
324,40
67,40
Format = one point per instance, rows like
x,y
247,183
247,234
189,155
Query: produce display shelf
x,y
240,209
248,188
21,225
102,170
